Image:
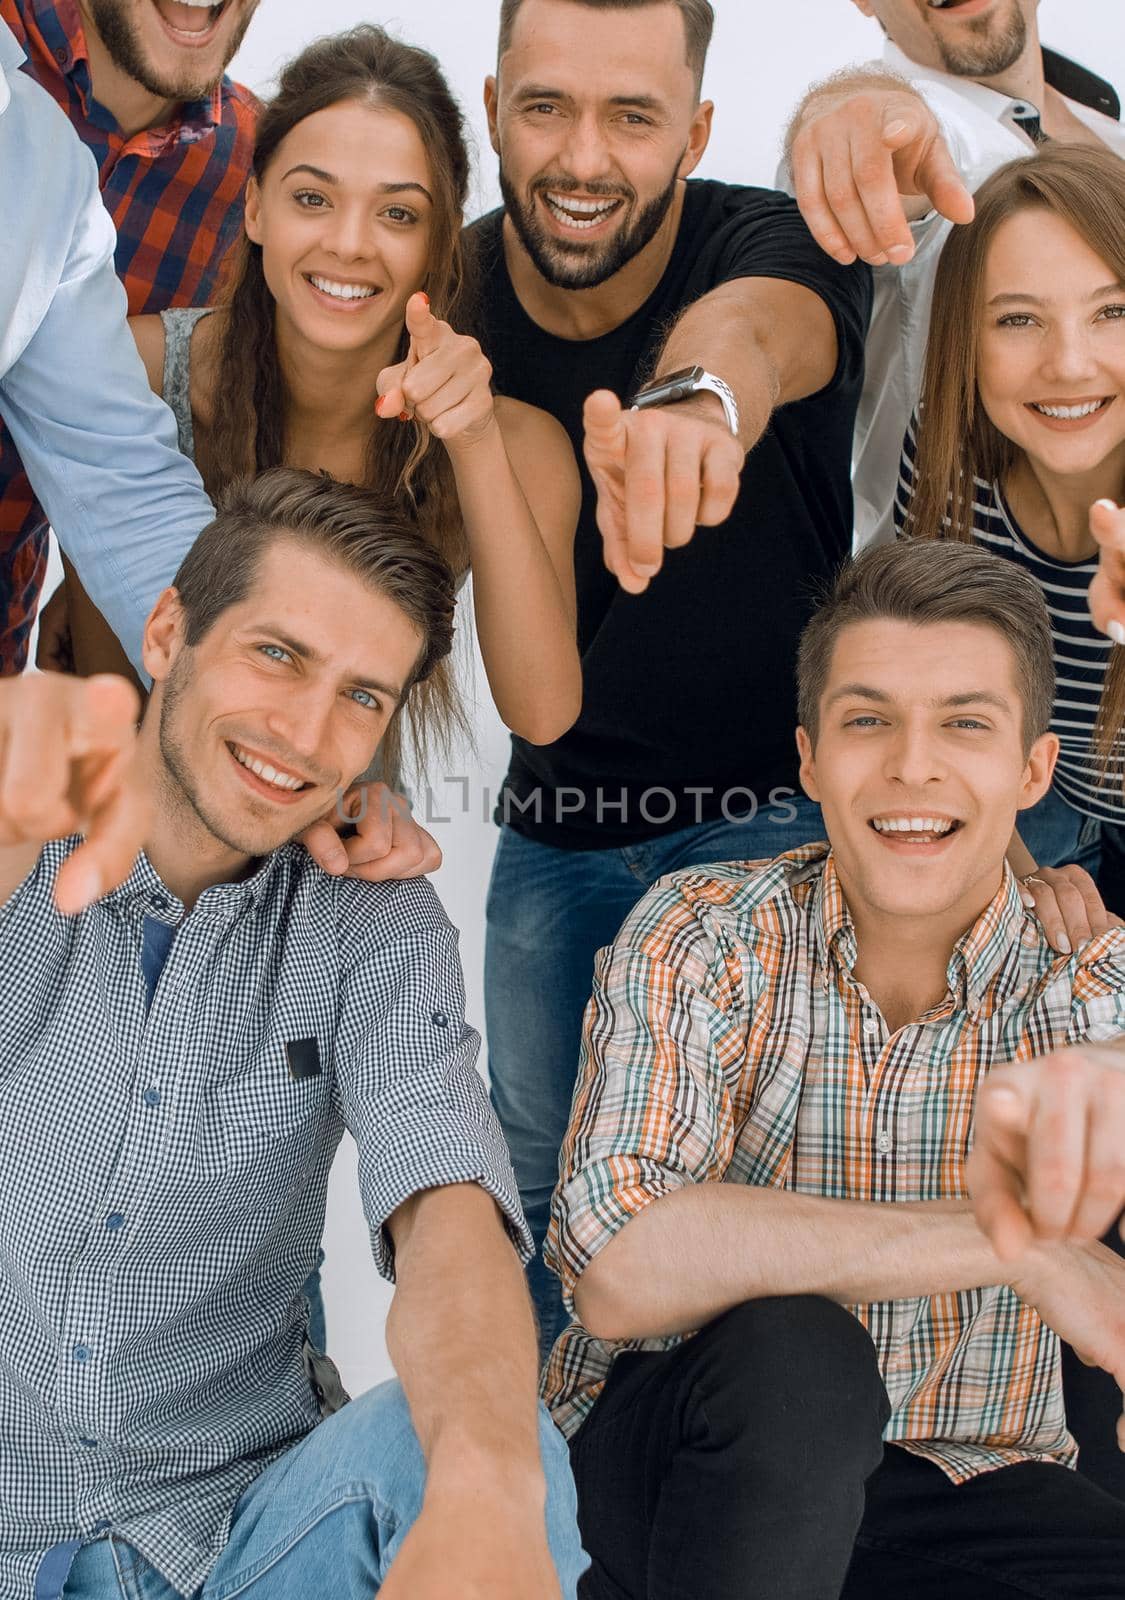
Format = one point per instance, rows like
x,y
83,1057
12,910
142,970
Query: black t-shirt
x,y
689,701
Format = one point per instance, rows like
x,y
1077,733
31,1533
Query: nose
x,y
301,721
1069,357
348,234
913,758
585,153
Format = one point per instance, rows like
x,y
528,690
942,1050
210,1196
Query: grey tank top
x,y
179,325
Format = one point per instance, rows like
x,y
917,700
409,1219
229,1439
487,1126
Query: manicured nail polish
x,y
379,406
404,416
1110,505
1064,944
1116,631
424,295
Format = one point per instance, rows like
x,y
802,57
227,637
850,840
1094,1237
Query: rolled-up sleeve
x,y
652,1112
406,1074
98,446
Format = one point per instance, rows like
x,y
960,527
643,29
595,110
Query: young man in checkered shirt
x,y
782,1067
186,1032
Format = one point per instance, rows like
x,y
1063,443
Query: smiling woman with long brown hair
x,y
1021,431
336,348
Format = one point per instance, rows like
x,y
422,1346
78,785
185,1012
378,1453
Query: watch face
x,y
672,386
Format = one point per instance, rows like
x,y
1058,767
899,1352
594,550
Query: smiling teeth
x,y
342,291
1069,413
580,213
911,825
263,770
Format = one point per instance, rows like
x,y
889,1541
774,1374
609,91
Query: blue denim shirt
x,y
99,446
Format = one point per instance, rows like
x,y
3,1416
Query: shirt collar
x,y
990,102
977,956
145,887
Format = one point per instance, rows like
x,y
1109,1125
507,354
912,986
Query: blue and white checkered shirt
x,y
164,1171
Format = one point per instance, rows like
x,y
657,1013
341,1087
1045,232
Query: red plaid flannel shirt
x,y
175,195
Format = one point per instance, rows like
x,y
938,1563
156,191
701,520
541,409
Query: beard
x,y
117,30
991,48
573,265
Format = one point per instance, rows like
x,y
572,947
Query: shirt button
x,y
871,1026
101,1527
440,1020
62,55
114,1221
884,1142
151,1097
81,1353
88,1444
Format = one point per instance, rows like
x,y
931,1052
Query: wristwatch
x,y
681,385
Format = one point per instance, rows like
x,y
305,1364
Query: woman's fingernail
x,y
424,295
1116,631
1028,900
1110,505
379,406
1064,944
404,416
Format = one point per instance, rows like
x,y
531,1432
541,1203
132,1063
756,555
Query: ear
x,y
1039,771
808,765
253,212
163,636
492,111
699,136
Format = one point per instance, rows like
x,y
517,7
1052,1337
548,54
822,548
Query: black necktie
x,y
1027,118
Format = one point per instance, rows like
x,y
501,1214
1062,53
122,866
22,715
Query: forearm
x,y
722,336
694,1254
462,1338
525,626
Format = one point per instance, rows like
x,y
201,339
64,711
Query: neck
x,y
331,392
1053,508
132,106
1024,79
589,313
903,961
188,858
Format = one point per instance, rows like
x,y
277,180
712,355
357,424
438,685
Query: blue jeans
x,y
549,912
1056,834
328,1517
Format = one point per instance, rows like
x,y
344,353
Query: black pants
x,y
738,1467
1093,1405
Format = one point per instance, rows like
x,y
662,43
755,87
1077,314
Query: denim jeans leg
x,y
772,830
549,912
331,1514
1056,834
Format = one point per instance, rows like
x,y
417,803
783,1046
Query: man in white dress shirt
x,y
884,158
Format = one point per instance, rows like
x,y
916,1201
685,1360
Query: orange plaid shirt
x,y
728,1041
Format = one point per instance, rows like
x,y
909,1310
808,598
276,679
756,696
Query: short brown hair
x,y
698,15
357,529
923,582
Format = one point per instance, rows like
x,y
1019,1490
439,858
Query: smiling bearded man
x,y
142,82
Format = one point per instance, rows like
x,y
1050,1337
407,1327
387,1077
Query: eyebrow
x,y
974,697
383,188
539,91
307,653
1034,300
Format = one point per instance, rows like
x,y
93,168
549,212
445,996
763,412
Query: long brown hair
x,y
404,464
957,441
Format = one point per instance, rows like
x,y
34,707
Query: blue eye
x,y
364,698
275,652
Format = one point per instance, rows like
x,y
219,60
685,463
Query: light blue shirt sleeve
x,y
98,446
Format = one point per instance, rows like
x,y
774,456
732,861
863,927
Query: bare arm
x,y
867,157
462,1338
693,1254
661,473
518,488
519,491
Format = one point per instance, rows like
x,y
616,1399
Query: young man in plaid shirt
x,y
142,82
776,1100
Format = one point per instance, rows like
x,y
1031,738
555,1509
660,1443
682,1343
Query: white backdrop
x,y
765,54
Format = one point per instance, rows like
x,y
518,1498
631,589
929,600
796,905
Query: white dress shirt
x,y
99,447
